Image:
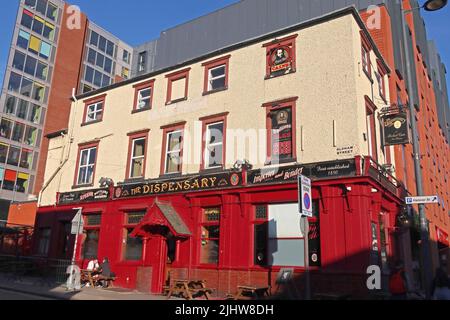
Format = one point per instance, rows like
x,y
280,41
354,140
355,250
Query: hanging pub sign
x,y
314,171
280,61
395,129
84,196
187,184
282,134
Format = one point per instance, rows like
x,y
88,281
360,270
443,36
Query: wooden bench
x,y
95,279
251,292
189,289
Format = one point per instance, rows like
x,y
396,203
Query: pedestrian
x,y
397,283
106,273
441,285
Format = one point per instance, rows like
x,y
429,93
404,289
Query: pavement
x,y
36,289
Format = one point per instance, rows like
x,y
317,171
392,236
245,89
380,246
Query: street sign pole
x,y
305,209
73,281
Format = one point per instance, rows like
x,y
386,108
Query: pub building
x,y
175,205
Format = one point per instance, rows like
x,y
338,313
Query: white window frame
x,y
171,152
96,112
208,145
143,99
211,78
132,158
80,166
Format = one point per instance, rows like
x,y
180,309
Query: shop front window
x,y
132,246
44,241
210,234
90,245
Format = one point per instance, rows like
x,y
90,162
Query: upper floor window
x,y
142,61
94,108
371,129
381,80
213,144
216,74
87,157
281,139
143,96
177,86
366,47
280,56
137,154
172,149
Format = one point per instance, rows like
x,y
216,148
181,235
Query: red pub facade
x,y
228,230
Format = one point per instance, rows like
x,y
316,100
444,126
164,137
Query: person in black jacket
x,y
106,272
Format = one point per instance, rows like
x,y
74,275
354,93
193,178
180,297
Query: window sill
x,y
170,175
283,161
81,186
212,170
91,122
206,93
134,180
176,101
140,110
268,76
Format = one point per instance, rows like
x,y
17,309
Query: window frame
x,y
125,227
87,228
133,136
366,48
172,77
274,106
372,133
138,88
202,223
382,72
206,121
213,64
287,42
90,102
81,148
166,131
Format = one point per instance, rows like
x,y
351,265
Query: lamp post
x,y
430,5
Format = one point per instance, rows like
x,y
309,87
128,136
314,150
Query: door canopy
x,y
162,215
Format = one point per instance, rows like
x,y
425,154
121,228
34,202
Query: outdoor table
x,y
255,292
189,288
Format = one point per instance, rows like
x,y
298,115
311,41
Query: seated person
x,y
106,273
95,269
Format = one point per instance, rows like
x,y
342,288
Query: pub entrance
x,y
162,229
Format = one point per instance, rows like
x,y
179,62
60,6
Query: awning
x,y
162,215
442,236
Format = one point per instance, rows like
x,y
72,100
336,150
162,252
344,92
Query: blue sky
x,y
137,21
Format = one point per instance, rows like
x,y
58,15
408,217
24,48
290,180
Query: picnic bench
x,y
250,292
95,279
189,289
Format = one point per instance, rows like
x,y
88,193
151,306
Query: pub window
x,y
93,220
132,246
173,152
86,166
286,240
280,57
177,86
137,155
281,140
260,229
44,241
210,234
90,247
214,150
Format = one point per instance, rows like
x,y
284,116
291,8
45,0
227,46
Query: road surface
x,y
13,295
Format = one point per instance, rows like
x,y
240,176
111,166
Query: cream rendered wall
x,y
327,82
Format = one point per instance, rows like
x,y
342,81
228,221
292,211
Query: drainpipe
x,y
62,162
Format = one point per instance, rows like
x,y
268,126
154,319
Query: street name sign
x,y
422,200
